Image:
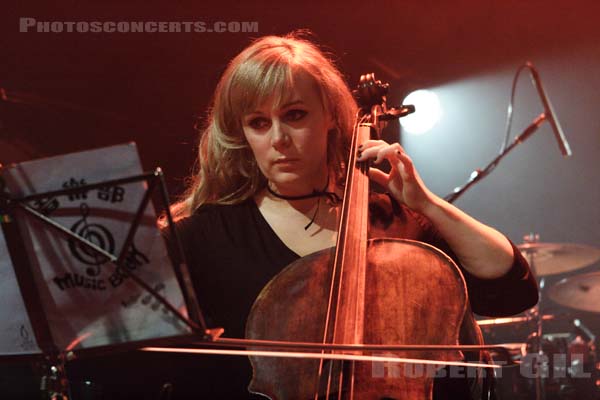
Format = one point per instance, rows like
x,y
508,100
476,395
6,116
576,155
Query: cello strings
x,y
339,260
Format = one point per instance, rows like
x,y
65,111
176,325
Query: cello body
x,y
414,294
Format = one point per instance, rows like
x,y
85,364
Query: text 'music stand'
x,y
84,268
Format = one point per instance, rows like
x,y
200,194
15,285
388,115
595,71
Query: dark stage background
x,y
106,88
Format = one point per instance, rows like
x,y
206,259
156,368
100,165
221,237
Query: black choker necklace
x,y
316,193
332,196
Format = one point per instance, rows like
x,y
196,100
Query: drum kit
x,y
558,365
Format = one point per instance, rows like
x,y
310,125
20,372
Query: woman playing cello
x,y
271,163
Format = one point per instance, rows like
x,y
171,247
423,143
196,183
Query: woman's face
x,y
289,141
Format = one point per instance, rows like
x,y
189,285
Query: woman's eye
x,y
295,115
258,123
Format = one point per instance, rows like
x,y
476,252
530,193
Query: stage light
x,y
428,112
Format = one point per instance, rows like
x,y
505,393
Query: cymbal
x,y
556,258
581,292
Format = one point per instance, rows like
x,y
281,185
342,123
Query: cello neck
x,y
349,272
345,313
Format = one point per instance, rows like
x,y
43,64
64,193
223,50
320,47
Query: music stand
x,y
82,259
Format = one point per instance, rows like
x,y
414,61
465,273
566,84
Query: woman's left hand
x,y
403,182
482,251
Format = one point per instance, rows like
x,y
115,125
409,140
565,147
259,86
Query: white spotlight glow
x,y
428,112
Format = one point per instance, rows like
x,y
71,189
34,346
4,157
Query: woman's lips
x,y
285,160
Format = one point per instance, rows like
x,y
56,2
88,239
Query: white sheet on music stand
x,y
16,334
84,299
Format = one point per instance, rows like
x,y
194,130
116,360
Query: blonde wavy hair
x,y
226,171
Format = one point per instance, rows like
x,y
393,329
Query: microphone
x,y
549,114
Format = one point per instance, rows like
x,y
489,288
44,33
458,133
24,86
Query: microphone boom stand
x,y
479,174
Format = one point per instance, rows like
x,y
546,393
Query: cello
x,y
363,291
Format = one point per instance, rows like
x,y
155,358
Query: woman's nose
x,y
279,135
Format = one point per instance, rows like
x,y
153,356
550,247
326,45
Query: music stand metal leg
x,y
55,383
